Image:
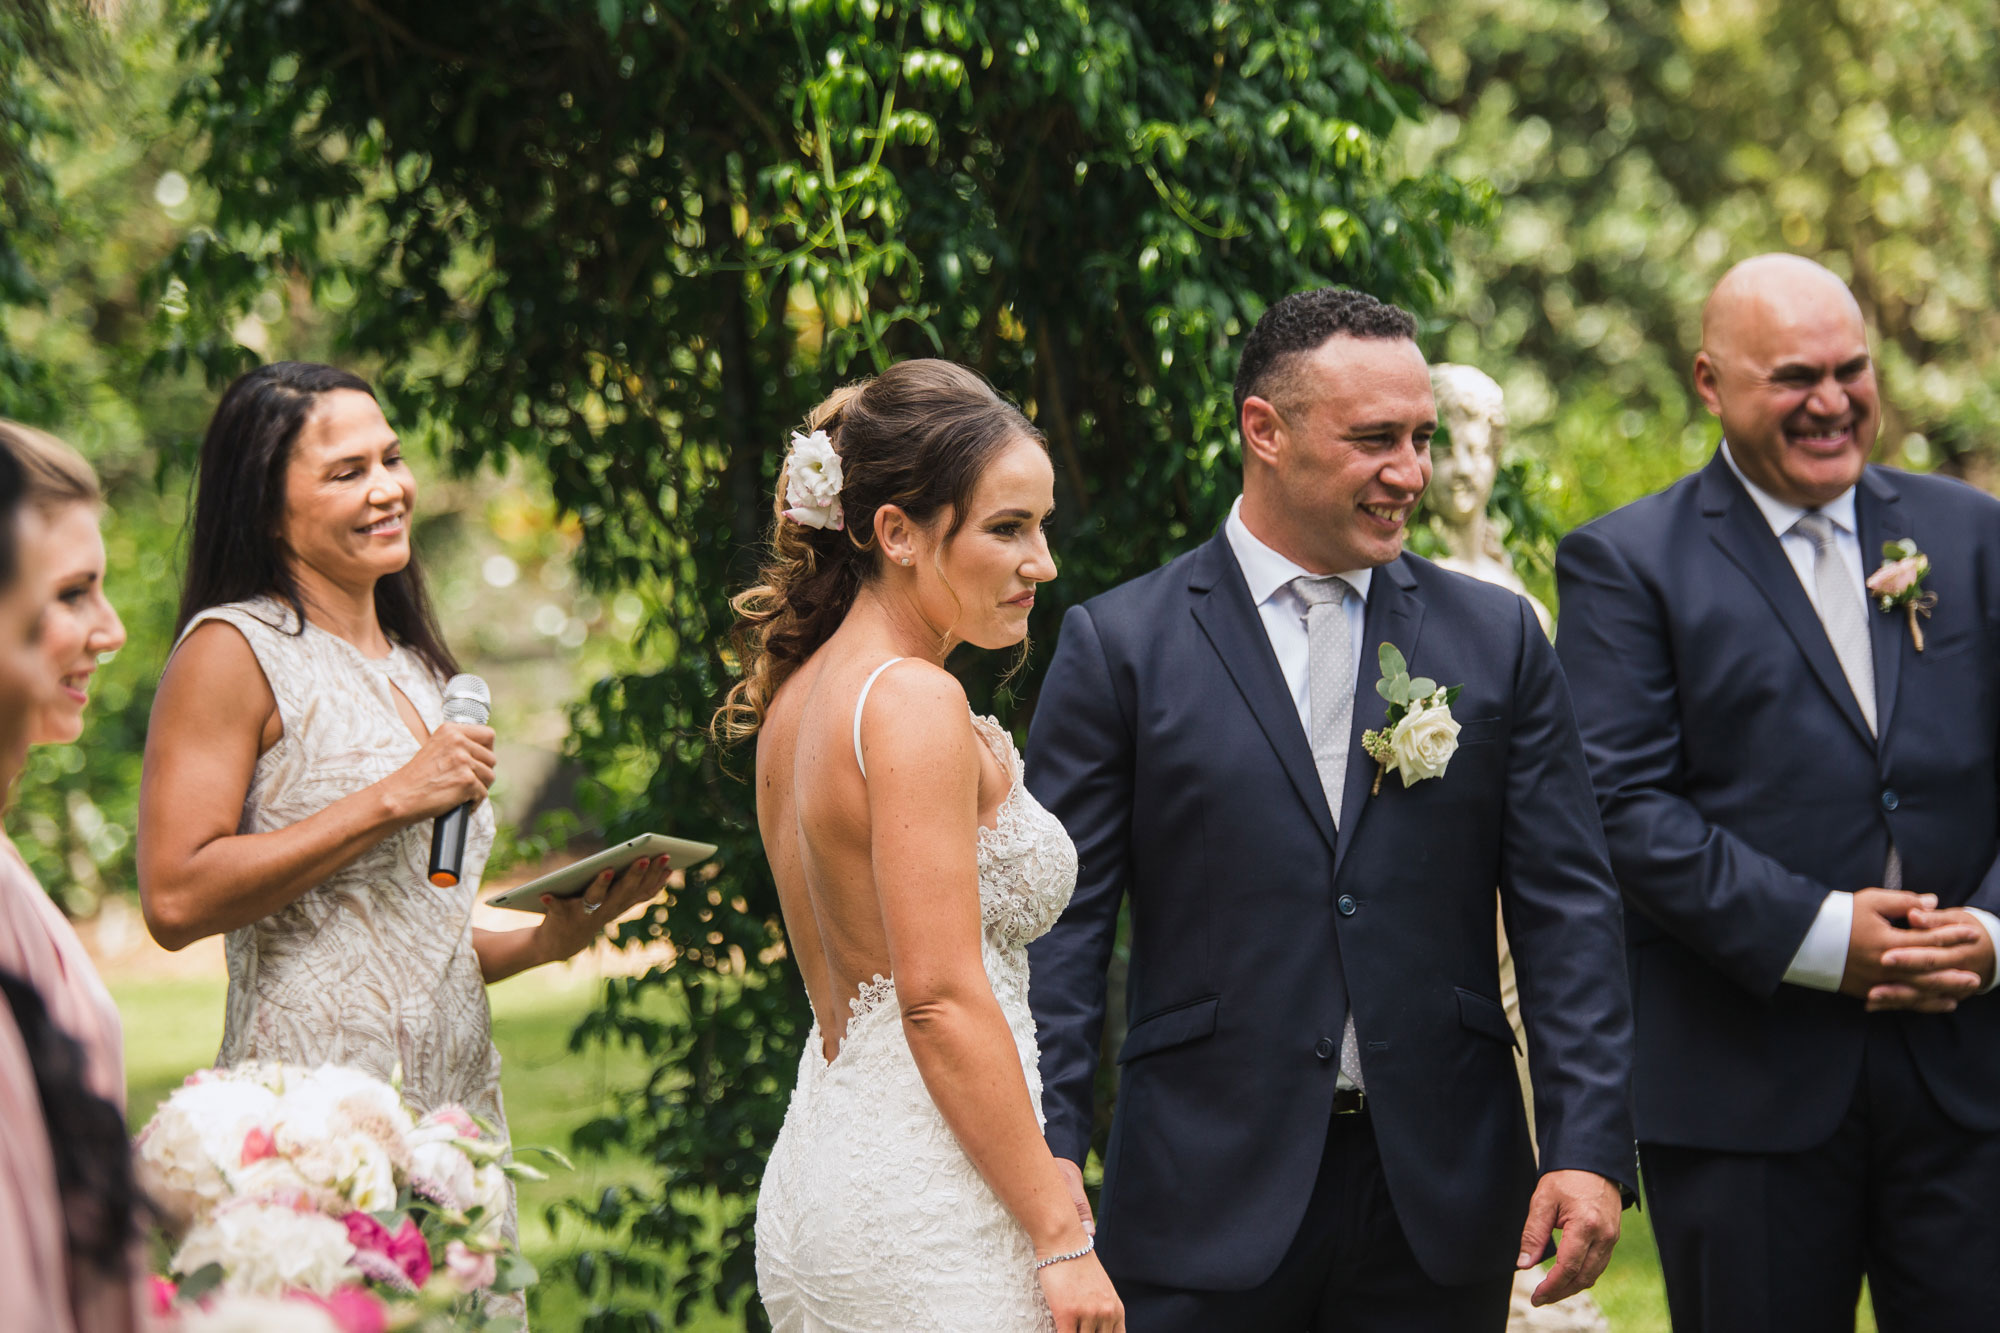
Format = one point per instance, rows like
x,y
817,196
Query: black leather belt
x,y
1349,1101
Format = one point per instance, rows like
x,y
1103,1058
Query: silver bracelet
x,y
1089,1244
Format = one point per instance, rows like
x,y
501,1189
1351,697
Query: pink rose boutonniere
x,y
1900,582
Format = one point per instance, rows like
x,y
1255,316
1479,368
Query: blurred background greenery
x,y
601,257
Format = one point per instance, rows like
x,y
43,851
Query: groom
x,y
1318,1122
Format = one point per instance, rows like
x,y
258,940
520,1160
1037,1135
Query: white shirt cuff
x,y
1822,957
1992,924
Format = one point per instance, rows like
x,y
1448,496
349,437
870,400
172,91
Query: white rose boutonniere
x,y
812,482
1419,735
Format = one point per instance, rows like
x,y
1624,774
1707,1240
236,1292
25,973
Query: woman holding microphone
x,y
298,756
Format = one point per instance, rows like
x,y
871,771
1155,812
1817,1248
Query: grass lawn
x,y
174,1026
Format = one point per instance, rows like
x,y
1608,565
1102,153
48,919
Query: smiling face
x,y
1333,470
80,625
348,494
1785,365
980,585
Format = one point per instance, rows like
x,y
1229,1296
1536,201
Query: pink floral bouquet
x,y
321,1190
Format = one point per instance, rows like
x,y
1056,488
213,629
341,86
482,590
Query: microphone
x,y
466,700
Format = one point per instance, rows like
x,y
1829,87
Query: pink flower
x,y
257,1145
458,1118
474,1269
405,1249
1898,576
160,1295
353,1308
411,1252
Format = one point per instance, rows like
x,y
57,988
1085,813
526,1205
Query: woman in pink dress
x,y
67,1263
79,626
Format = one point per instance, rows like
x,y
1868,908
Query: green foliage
x,y
80,226
636,241
1640,147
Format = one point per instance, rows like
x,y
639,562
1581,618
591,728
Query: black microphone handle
x,y
448,845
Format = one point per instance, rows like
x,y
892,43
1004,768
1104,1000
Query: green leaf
x,y
1423,687
199,1283
1451,694
1393,664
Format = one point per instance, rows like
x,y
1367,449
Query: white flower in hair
x,y
812,482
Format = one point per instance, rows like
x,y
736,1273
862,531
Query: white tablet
x,y
574,878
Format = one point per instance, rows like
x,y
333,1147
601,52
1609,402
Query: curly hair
x,y
1299,323
918,436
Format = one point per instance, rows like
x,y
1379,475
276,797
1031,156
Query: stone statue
x,y
1474,416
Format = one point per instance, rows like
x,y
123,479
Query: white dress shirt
x,y
1270,578
1821,960
1283,612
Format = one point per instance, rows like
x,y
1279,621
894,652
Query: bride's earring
x,y
906,560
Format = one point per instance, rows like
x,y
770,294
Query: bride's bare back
x,y
814,813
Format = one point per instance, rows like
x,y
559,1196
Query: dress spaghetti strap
x,y
868,685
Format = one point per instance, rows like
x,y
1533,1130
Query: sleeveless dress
x,y
374,967
871,1217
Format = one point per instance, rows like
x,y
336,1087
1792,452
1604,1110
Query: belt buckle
x,y
1349,1101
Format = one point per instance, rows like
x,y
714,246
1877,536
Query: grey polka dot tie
x,y
1330,689
1843,609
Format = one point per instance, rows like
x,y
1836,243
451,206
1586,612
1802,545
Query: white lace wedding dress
x,y
872,1219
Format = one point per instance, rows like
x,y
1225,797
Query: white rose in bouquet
x,y
331,1102
257,1314
196,1139
269,1248
443,1174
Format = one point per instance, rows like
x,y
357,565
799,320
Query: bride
x,y
910,1187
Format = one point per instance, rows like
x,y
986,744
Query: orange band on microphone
x,y
444,879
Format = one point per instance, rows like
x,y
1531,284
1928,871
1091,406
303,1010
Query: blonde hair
x,y
56,475
918,436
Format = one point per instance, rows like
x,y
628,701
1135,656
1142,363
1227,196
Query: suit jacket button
x,y
1324,1048
1346,904
1889,798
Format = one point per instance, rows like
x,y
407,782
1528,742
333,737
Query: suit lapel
x,y
1223,609
1879,518
1395,615
1740,530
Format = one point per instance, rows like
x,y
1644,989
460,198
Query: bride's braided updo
x,y
918,436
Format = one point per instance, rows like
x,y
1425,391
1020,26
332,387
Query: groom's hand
x,y
1072,1175
1586,1208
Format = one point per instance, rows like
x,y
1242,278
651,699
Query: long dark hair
x,y
102,1208
234,552
13,490
918,436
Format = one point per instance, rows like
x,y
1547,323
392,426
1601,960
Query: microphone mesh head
x,y
467,700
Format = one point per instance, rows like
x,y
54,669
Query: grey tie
x,y
1330,672
1843,609
1844,612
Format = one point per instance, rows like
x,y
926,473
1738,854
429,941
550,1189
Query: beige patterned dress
x,y
373,968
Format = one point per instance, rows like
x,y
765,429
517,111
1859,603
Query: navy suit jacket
x,y
1739,783
1166,741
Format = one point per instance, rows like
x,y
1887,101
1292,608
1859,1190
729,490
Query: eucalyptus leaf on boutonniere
x,y
1900,582
1419,736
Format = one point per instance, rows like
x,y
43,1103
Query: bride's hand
x,y
1081,1297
